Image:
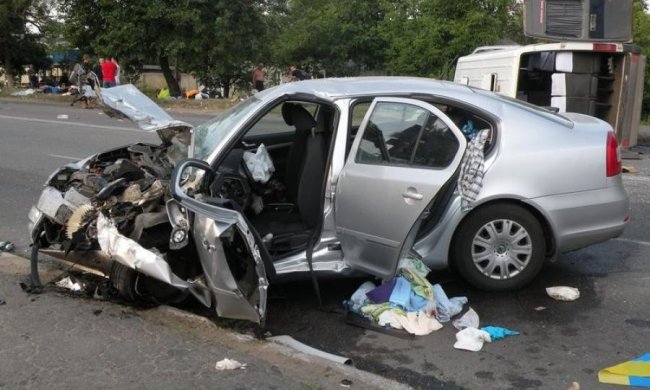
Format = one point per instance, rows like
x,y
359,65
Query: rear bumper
x,y
585,218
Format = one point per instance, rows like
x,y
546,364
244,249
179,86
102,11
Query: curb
x,y
358,377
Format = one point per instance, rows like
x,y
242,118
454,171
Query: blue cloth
x,y
498,333
403,296
446,307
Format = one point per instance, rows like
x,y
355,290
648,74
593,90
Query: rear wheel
x,y
499,247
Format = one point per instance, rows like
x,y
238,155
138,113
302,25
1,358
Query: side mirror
x,y
176,188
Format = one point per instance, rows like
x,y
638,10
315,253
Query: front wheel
x,y
499,247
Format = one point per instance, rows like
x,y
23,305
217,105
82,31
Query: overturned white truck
x,y
593,70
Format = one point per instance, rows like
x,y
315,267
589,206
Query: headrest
x,y
296,115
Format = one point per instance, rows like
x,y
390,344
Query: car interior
x,y
286,209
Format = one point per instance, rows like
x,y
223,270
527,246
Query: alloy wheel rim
x,y
501,249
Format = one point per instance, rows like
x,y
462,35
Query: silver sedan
x,y
335,177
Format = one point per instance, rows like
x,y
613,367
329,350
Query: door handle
x,y
412,193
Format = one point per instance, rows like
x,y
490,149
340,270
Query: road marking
x,y
65,157
646,243
19,118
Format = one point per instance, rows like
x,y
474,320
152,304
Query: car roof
x,y
335,88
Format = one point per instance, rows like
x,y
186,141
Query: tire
x,y
123,279
499,247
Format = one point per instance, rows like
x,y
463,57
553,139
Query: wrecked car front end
x,y
113,212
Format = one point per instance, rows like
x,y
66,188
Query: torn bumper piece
x,y
133,255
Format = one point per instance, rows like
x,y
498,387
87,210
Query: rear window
x,y
537,110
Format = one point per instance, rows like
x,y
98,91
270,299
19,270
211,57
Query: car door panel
x,y
378,205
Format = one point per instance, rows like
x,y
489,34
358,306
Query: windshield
x,y
210,134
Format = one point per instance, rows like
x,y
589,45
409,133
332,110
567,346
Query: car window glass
x,y
437,145
392,133
273,123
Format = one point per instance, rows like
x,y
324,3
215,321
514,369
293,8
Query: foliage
x,y
341,36
21,25
426,36
641,30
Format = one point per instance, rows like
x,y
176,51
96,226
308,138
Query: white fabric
x,y
418,323
259,164
471,339
389,318
470,180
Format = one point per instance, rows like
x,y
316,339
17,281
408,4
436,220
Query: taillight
x,y
613,164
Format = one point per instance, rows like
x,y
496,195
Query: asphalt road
x,y
562,343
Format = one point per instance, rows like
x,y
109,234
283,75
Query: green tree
x,y
641,30
228,37
21,25
426,36
135,31
340,35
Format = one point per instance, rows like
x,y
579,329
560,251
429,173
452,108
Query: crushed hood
x,y
133,104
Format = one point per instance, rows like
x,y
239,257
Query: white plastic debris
x,y
229,364
471,339
68,284
259,164
540,308
563,293
468,320
62,116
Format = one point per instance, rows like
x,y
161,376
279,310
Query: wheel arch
x,y
549,235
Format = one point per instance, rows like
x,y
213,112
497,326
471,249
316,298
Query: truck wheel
x,y
499,247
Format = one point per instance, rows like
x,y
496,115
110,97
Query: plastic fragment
x,y
62,116
498,333
229,364
468,320
540,308
67,283
563,293
346,383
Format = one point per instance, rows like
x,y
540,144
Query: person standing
x,y
259,74
109,69
298,74
118,70
98,73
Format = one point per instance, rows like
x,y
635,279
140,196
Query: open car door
x,y
229,251
404,152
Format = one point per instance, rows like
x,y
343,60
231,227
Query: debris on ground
x,y
290,342
635,372
25,92
62,116
346,383
574,386
67,283
2,302
229,364
563,293
7,246
498,333
540,308
471,339
408,301
468,320
629,169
